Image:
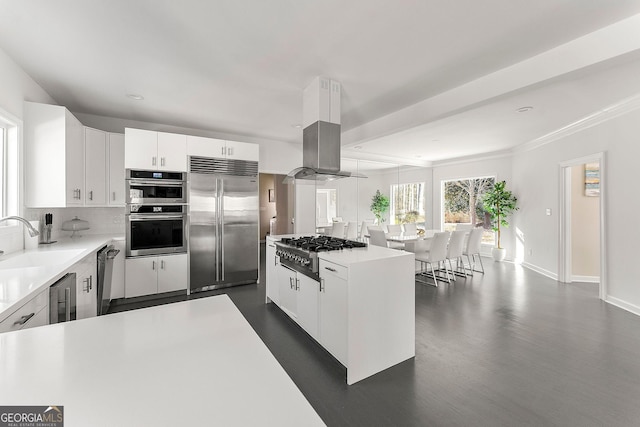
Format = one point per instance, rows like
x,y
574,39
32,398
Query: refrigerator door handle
x,y
222,228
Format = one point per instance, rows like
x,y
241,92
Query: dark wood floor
x,y
509,348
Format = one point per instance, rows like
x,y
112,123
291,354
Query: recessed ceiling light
x,y
297,126
418,156
435,140
524,109
135,96
358,147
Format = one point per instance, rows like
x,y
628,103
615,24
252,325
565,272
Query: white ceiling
x,y
427,78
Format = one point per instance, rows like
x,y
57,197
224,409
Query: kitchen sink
x,y
39,259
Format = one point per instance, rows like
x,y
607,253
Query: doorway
x,y
582,235
276,202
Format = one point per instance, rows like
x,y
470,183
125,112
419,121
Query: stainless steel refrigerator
x,y
223,223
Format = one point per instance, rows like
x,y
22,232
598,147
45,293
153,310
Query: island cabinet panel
x,y
287,291
272,286
308,292
333,310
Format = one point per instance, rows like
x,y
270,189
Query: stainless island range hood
x,y
321,135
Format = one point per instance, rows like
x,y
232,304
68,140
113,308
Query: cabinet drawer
x,y
22,315
333,269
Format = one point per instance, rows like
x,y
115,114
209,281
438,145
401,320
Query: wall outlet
x,y
548,212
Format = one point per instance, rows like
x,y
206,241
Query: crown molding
x,y
610,112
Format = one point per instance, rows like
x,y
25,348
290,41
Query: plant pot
x,y
498,254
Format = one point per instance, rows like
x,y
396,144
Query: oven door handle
x,y
135,217
156,183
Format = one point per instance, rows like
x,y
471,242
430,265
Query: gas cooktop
x,y
322,243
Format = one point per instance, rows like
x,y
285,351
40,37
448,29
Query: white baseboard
x,y
586,279
549,274
623,305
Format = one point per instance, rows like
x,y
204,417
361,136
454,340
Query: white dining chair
x,y
377,238
352,230
338,230
363,231
436,255
454,252
410,229
394,229
472,250
373,227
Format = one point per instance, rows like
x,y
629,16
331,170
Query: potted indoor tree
x,y
499,203
379,205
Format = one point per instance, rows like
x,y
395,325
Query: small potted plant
x,y
379,205
499,203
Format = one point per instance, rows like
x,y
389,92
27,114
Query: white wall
x,y
536,175
499,167
15,88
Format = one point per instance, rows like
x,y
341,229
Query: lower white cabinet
x,y
271,282
156,274
34,312
307,299
286,290
332,316
86,286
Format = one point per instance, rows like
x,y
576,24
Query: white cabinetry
x,y
34,312
157,274
86,286
54,156
116,169
287,290
332,327
307,298
155,150
95,164
211,147
271,282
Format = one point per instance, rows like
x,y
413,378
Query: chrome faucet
x,y
32,231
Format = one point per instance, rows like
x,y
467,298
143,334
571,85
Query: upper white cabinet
x,y
115,195
95,167
54,156
211,147
155,150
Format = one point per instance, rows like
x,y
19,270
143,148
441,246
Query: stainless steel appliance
x,y
156,187
155,229
106,256
62,299
223,223
301,253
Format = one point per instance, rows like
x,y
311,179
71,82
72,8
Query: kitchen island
x,y
360,307
190,363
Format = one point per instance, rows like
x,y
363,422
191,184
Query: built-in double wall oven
x,y
156,215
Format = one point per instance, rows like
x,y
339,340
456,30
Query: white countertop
x,y
196,362
19,285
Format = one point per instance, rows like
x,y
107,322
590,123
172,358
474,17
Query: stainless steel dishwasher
x,y
105,272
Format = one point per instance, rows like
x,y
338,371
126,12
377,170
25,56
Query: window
x,y
326,205
8,165
463,205
407,203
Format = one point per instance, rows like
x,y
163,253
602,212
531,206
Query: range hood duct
x,y
321,135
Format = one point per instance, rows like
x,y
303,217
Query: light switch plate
x,y
548,211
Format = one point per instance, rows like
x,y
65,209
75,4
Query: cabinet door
x,y
286,289
95,172
141,276
40,319
172,275
243,151
172,152
205,147
308,290
87,287
271,281
74,158
332,319
116,169
140,149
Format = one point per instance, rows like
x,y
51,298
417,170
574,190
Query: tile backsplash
x,y
107,220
